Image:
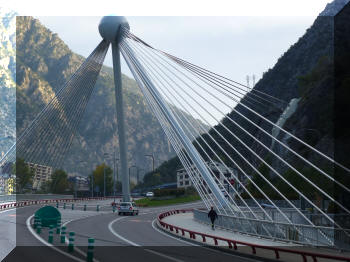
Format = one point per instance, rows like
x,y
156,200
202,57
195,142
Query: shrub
x,y
169,192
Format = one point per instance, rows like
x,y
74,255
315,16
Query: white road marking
x,y
48,244
76,248
7,210
110,227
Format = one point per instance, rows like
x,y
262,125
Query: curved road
x,y
117,238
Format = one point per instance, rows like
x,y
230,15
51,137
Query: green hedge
x,y
175,192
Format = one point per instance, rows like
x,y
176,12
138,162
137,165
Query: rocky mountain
x,y
7,78
303,77
44,63
334,7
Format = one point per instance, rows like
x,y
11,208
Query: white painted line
x,y
48,244
81,252
110,227
7,210
163,255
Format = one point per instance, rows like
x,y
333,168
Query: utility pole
x,y
110,29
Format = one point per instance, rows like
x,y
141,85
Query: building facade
x,y
7,184
80,183
223,174
42,174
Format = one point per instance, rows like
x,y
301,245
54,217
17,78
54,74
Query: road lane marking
x,y
119,236
48,244
110,227
81,252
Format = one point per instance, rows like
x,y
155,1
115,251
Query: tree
x,y
24,175
99,180
59,182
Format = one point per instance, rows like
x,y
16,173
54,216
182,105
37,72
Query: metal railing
x,y
234,243
298,233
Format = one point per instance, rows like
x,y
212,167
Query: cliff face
x,y
303,74
44,63
7,78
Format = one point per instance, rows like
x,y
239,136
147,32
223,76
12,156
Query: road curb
x,y
217,248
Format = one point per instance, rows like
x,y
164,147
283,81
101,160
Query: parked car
x,y
128,208
149,194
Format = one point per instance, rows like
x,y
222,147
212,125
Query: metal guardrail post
x,y
58,227
63,235
50,240
71,242
90,251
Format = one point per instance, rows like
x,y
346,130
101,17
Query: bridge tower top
x,y
109,27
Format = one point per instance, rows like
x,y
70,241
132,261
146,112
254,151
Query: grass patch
x,y
163,202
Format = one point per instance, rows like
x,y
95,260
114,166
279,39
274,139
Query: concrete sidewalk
x,y
186,221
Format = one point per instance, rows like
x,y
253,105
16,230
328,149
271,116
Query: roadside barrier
x,y
49,201
50,234
35,225
71,242
38,227
233,243
90,251
58,227
63,235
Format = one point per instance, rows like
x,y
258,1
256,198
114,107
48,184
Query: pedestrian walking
x,y
213,216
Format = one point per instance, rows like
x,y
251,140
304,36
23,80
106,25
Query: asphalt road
x,y
117,238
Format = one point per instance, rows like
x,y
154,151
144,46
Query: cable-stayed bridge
x,y
176,89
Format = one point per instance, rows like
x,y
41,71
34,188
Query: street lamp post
x,y
75,186
152,161
138,174
130,169
105,157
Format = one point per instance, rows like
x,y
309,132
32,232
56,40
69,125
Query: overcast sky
x,y
233,46
237,39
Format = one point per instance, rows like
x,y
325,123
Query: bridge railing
x,y
297,233
48,201
235,243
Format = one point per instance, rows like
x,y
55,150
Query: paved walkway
x,y
186,220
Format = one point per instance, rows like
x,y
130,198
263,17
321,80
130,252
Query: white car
x,y
149,194
128,208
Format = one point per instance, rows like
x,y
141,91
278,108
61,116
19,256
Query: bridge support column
x,y
121,123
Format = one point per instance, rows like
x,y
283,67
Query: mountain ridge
x,y
44,63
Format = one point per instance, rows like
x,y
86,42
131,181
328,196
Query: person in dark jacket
x,y
212,215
